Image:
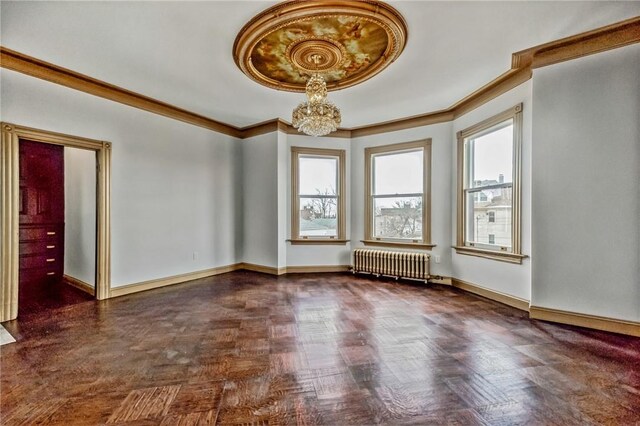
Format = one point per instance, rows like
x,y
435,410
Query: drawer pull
x,y
50,247
51,233
51,260
51,273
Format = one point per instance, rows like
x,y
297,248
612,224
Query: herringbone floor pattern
x,y
247,348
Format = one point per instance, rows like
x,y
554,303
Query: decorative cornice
x,y
599,40
16,61
403,123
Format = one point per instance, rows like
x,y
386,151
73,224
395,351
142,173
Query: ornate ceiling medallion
x,y
346,41
330,54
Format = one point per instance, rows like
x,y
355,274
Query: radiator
x,y
392,263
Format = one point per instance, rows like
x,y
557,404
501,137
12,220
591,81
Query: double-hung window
x,y
318,200
397,204
489,187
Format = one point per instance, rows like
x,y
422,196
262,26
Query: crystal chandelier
x,y
317,116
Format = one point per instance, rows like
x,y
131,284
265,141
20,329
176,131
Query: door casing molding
x,y
9,198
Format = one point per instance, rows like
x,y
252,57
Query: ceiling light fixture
x,y
317,116
316,46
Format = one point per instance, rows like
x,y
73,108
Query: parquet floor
x,y
247,348
41,296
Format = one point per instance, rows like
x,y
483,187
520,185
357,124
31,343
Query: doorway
x,y
57,226
32,216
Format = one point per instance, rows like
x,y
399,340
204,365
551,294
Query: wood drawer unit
x,y
41,252
41,213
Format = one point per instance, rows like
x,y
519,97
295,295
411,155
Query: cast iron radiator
x,y
391,263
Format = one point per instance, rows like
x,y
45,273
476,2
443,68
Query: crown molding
x,y
403,123
610,37
16,61
601,39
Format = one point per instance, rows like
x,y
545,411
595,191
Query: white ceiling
x,y
181,52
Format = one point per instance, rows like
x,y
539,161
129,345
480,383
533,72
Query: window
x,y
397,189
317,202
489,188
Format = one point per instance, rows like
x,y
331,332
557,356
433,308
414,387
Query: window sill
x,y
491,254
379,243
311,241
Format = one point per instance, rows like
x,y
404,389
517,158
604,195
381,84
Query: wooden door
x,y
41,214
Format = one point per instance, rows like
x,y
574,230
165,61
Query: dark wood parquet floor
x,y
247,348
40,297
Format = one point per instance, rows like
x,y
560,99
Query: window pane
x,y
398,173
318,175
318,217
489,222
491,157
399,217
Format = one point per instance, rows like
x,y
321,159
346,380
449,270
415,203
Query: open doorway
x,y
81,255
57,226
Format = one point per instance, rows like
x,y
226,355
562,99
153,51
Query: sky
x,y
493,155
398,173
317,173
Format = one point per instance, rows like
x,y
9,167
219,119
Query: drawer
x,y
42,247
40,233
36,275
40,261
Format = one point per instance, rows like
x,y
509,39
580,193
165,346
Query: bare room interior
x,y
320,212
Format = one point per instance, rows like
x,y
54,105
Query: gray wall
x,y
175,187
80,214
586,185
260,199
442,149
503,277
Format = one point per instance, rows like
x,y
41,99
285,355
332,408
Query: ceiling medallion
x,y
354,40
314,54
316,46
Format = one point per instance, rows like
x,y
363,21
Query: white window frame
x,y
296,154
491,251
421,243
